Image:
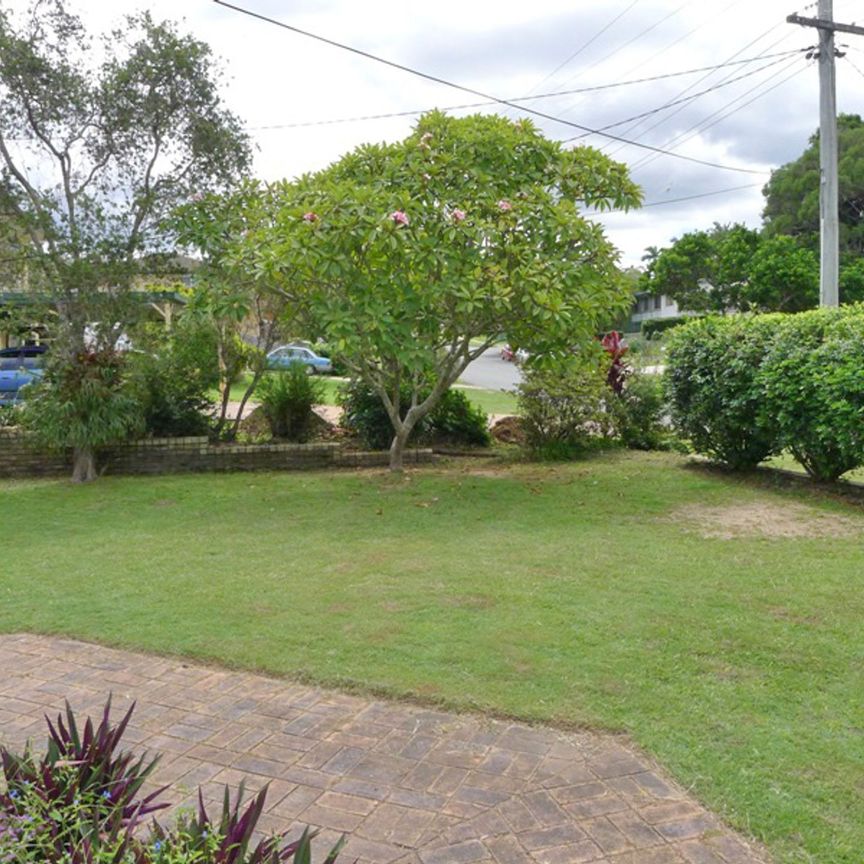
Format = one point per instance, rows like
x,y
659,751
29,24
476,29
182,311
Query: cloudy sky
x,y
755,116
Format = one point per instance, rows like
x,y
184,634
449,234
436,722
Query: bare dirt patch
x,y
772,520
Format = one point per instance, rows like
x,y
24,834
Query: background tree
x,y
792,193
415,257
782,276
97,146
703,270
246,313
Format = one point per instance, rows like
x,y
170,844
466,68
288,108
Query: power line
x,y
700,127
854,66
665,105
691,197
700,80
465,105
585,45
631,40
662,50
437,80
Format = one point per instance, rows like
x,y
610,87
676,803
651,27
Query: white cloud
x,y
507,48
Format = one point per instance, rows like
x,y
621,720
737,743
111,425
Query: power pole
x,y
829,257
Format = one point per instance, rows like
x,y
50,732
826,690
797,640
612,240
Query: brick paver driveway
x,y
410,785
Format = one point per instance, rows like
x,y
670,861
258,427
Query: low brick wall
x,y
18,458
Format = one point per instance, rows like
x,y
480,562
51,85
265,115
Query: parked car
x,y
15,374
283,356
23,351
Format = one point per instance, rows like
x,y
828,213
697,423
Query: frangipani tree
x,y
415,257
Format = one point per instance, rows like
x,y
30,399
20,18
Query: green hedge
x,y
714,396
744,387
655,326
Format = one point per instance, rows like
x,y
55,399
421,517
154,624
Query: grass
x,y
788,462
569,594
491,401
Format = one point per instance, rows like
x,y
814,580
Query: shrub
x,y
454,419
638,411
654,327
81,804
325,349
85,402
287,399
364,414
713,388
172,394
563,405
813,384
84,790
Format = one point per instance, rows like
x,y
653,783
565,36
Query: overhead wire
x,y
698,128
660,51
684,198
689,98
481,94
696,83
489,102
585,45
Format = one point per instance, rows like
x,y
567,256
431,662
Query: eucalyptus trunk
x,y
83,465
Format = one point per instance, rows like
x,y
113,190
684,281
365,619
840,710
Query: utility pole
x,y
829,257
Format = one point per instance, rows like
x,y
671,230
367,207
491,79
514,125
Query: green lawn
x,y
571,594
491,401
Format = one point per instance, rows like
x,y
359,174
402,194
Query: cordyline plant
x,y
615,348
83,803
414,258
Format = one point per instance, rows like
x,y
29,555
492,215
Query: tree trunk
x,y
397,449
83,465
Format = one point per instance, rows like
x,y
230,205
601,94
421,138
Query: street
x,y
490,372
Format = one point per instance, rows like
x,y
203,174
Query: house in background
x,y
647,307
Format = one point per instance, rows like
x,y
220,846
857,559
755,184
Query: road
x,y
490,372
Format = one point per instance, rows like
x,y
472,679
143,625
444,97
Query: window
x,y
658,302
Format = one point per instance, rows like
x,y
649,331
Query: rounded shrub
x,y
812,382
287,400
638,413
563,405
714,391
454,420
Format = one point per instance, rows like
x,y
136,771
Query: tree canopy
x,y
792,193
98,143
415,257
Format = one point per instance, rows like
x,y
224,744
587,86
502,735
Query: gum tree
x,y
96,148
416,257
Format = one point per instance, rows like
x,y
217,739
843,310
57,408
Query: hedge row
x,y
743,388
652,327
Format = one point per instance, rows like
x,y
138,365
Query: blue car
x,y
285,355
15,374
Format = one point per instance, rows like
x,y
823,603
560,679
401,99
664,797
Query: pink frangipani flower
x,y
311,216
458,215
399,217
504,205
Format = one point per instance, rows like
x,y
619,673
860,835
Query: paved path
x,y
410,785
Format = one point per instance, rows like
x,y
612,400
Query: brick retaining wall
x,y
18,458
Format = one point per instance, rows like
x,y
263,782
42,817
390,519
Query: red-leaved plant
x,y
615,347
82,803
